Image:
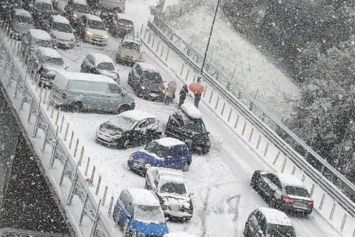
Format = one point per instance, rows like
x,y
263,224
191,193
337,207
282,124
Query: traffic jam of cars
x,y
167,149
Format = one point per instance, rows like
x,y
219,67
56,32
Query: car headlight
x,y
130,157
143,87
163,91
147,166
88,32
106,36
75,15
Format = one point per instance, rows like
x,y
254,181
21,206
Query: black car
x,y
129,129
20,21
186,124
42,10
6,6
100,64
282,191
146,82
268,222
118,24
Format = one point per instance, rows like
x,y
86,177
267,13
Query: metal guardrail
x,y
13,74
226,87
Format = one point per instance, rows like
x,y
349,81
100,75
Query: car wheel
x,y
123,108
185,167
127,144
129,81
76,107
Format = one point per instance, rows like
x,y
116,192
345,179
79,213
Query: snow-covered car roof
x,y
100,58
21,12
39,34
274,216
179,234
137,115
49,52
144,197
60,19
169,141
44,1
289,179
148,67
132,38
166,171
191,110
168,178
62,78
81,2
93,17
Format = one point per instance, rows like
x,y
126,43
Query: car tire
x,y
126,144
185,167
129,80
123,108
76,107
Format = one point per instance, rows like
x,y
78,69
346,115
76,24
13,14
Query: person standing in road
x,y
182,94
170,92
197,88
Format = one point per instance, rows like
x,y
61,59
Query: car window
x,y
138,69
97,25
90,59
62,27
43,6
173,188
123,122
156,149
42,43
296,191
149,214
151,77
274,179
125,22
173,122
114,88
54,61
280,231
23,19
81,8
195,125
87,86
106,66
125,201
181,150
131,46
143,124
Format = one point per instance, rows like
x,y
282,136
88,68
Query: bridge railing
x,y
245,116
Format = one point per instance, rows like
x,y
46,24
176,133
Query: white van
x,y
82,91
61,32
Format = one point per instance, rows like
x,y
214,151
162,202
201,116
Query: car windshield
x,y
131,46
280,231
23,19
195,125
148,214
152,77
174,188
43,6
62,27
123,122
296,191
106,66
55,61
97,25
81,8
43,43
156,149
125,22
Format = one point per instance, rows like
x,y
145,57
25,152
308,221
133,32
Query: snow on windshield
x,y
43,6
125,22
296,191
281,230
55,61
149,214
132,46
97,25
106,66
23,19
195,125
81,8
123,122
62,27
173,188
156,149
152,77
43,43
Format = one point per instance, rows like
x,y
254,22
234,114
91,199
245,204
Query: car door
x,y
173,128
271,185
264,182
114,97
172,160
137,71
125,206
253,224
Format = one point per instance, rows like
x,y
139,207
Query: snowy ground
x,y
220,180
229,51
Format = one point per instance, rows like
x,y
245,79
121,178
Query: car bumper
x,y
178,214
154,96
136,167
127,59
291,208
64,44
106,139
96,41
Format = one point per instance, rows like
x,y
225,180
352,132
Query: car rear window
x,y
87,86
281,231
125,22
296,191
172,187
132,46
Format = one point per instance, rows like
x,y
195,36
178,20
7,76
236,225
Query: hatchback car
x,y
33,39
118,24
129,129
130,50
75,9
98,63
170,187
138,213
61,32
93,30
20,21
164,152
268,222
146,82
187,125
46,63
283,191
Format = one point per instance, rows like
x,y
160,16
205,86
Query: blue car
x,y
165,152
138,214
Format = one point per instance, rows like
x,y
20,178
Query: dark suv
x,y
146,82
186,124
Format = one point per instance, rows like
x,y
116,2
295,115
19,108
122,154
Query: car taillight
x,y
64,96
286,199
310,203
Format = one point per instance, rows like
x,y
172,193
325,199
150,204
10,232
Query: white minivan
x,y
61,32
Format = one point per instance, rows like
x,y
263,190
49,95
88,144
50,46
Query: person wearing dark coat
x,y
183,93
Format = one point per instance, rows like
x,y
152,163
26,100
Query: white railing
x,y
41,122
244,116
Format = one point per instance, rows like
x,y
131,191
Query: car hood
x,y
112,74
97,32
151,229
63,35
111,129
22,28
173,199
154,86
146,157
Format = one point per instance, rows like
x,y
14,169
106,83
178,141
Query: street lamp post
x,y
209,38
